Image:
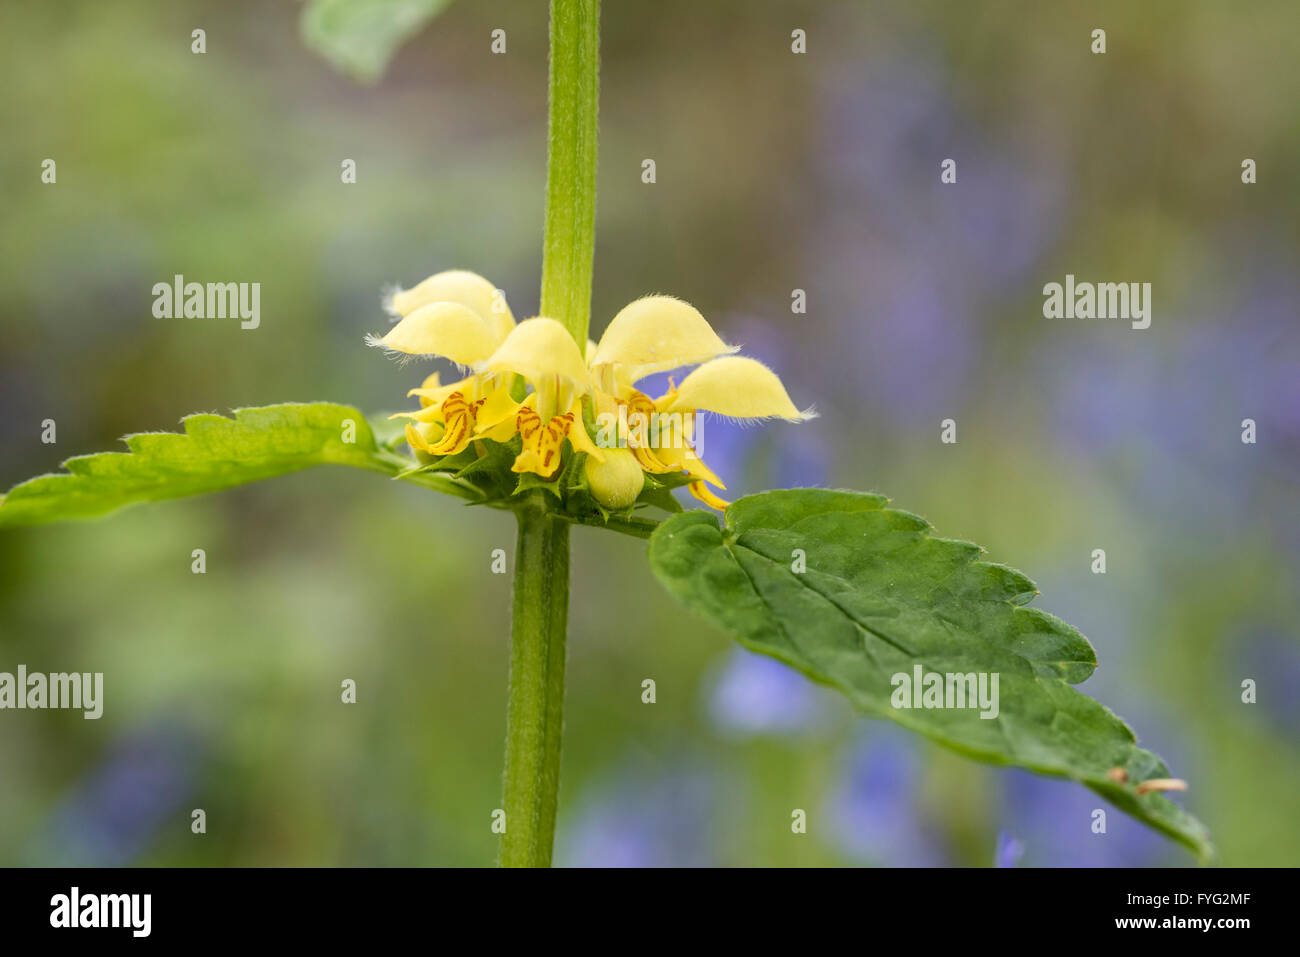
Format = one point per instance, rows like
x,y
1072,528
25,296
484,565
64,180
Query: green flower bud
x,y
615,482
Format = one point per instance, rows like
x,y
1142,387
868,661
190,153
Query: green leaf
x,y
489,468
658,492
880,595
213,453
360,36
389,432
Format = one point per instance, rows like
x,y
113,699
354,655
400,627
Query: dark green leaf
x,y
880,595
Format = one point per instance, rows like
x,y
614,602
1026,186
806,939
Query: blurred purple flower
x,y
873,810
914,357
1173,405
643,817
886,124
901,261
112,815
1273,660
753,694
1008,851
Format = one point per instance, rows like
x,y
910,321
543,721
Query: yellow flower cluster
x,y
462,317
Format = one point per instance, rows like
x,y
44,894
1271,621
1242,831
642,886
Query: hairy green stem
x,y
570,239
535,708
632,525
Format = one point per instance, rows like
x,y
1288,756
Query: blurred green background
x,y
775,172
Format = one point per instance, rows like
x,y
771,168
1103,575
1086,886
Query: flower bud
x,y
615,482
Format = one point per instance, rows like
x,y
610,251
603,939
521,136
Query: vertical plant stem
x,y
535,709
570,239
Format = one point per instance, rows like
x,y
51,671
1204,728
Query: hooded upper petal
x,y
459,286
655,334
445,329
539,349
737,387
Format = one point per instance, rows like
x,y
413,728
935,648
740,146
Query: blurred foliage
x,y
775,172
359,36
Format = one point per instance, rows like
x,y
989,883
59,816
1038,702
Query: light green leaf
x,y
389,432
880,595
213,453
360,36
658,492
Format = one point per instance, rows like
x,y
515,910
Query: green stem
x,y
535,709
570,238
636,527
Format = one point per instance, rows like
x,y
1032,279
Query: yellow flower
x,y
545,355
462,317
459,316
651,335
659,333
